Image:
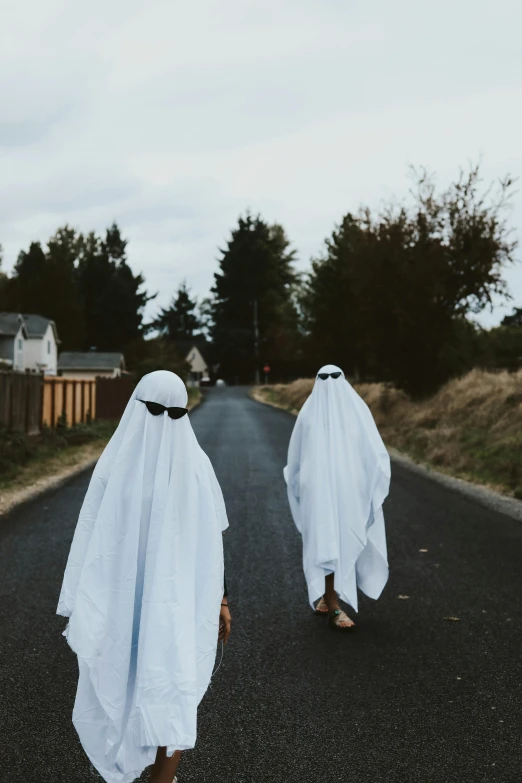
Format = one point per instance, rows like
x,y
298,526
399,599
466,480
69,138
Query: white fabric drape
x,y
143,587
338,475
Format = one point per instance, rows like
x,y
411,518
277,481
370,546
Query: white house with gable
x,y
28,343
13,337
41,349
192,352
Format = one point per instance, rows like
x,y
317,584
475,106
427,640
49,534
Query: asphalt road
x,y
410,696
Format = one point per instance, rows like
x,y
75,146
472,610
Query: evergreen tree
x,y
180,320
95,272
4,283
253,295
144,356
23,290
45,283
112,296
60,299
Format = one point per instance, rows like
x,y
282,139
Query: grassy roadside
x,y
25,458
471,428
27,463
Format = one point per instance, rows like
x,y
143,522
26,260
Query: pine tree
x,y
111,294
23,291
60,298
179,321
4,282
253,294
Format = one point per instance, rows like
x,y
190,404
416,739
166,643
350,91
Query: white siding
x,y
42,353
19,351
196,361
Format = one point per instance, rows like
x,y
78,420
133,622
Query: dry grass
x,y
290,397
472,427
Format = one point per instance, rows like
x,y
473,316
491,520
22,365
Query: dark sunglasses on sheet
x,y
325,375
156,409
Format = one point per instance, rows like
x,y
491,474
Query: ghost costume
x,y
338,475
143,587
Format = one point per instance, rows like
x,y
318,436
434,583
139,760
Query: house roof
x,y
90,360
37,326
185,347
10,324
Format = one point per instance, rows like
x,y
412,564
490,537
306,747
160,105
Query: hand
x,y
224,622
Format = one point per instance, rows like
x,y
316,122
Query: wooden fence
x,y
28,402
21,401
69,401
112,395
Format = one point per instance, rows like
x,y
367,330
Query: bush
x,y
18,450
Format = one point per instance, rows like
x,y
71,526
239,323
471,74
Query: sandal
x,y
321,607
338,616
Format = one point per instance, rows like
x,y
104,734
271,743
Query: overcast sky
x,y
172,118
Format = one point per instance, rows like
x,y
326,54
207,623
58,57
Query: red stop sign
x,y
266,368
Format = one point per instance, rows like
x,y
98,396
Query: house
x,y
90,364
41,348
28,343
192,352
13,336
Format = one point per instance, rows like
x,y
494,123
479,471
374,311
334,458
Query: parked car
x,y
205,381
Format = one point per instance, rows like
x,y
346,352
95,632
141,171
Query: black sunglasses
x,y
156,409
325,375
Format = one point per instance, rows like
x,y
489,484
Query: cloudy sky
x,y
172,118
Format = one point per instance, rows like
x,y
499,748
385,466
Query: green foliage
x,y
144,356
112,296
501,348
84,284
515,319
256,270
180,320
60,289
44,283
389,299
18,450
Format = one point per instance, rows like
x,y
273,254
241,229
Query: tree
x,y
180,320
28,282
112,296
4,282
144,356
515,319
85,285
44,282
390,297
253,294
23,291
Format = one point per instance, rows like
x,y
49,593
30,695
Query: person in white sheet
x,y
144,588
338,476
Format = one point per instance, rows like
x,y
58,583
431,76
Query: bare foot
x,y
321,607
340,619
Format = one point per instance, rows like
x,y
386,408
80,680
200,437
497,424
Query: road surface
x,y
410,696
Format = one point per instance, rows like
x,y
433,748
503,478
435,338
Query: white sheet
x,y
143,587
338,476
